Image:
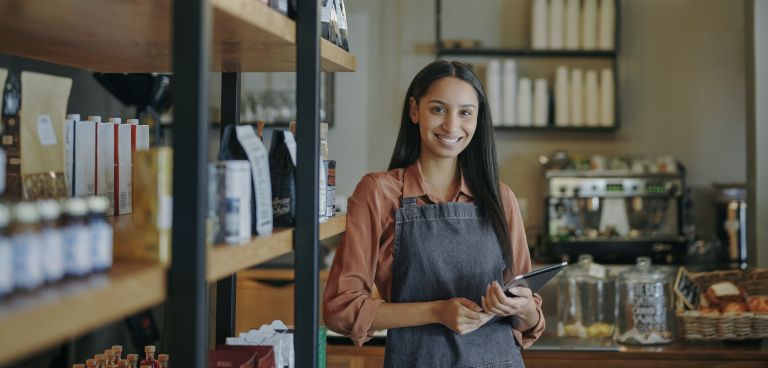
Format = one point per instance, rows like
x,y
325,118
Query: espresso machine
x,y
615,215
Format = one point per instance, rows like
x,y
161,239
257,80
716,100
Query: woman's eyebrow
x,y
443,103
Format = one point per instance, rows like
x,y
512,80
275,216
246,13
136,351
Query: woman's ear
x,y
413,108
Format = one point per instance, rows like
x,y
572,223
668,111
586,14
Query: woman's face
x,y
447,117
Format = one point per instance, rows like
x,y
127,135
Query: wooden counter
x,y
709,355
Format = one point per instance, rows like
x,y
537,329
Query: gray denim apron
x,y
444,251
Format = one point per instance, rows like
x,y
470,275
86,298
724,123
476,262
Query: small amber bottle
x,y
149,359
163,360
133,360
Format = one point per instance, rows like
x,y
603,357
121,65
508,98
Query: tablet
x,y
534,280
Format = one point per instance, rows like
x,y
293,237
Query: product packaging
x,y
330,169
147,235
232,201
242,143
105,163
44,103
123,174
282,170
11,106
80,153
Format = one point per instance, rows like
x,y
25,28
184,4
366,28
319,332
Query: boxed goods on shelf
x,y
722,305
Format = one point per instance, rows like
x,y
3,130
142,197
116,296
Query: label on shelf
x,y
45,130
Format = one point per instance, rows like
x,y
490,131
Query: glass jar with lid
x,y
587,306
645,305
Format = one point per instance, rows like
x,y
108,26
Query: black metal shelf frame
x,y
187,296
441,51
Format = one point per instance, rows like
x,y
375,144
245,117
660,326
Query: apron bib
x,y
445,251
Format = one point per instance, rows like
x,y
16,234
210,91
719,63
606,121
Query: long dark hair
x,y
477,162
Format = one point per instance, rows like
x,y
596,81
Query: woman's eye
x,y
466,113
438,109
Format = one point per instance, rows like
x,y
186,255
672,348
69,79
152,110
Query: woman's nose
x,y
451,123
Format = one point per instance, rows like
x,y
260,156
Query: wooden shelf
x,y
550,128
35,321
135,36
225,260
527,52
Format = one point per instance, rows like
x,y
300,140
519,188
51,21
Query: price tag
x,y
45,130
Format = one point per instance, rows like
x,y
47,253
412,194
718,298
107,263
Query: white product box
x,y
123,179
105,163
80,157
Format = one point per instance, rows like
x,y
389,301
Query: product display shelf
x,y
550,128
135,36
35,321
526,53
225,260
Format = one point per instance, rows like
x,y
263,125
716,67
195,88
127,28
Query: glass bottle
x,y
109,357
587,307
100,363
149,360
101,236
133,360
25,241
645,314
123,363
163,360
77,245
6,253
117,353
52,239
90,363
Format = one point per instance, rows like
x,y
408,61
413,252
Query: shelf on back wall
x,y
552,128
526,52
246,36
225,260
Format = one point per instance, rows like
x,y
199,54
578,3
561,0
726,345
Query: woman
x,y
437,235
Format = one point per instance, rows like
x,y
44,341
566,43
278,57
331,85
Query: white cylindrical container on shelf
x,y
606,25
589,25
539,25
577,97
607,113
592,114
493,83
509,91
572,29
540,103
524,103
556,25
562,100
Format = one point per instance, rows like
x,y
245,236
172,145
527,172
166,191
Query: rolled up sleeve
x,y
348,305
522,263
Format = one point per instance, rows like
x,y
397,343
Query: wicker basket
x,y
725,326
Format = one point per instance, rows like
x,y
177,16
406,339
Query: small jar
x,y
162,360
117,352
27,253
100,362
52,238
149,359
100,234
77,241
90,363
6,253
133,360
587,301
645,314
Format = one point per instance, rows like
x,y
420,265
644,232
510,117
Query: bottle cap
x,y
100,205
90,363
75,117
75,207
25,213
99,357
133,357
94,118
115,120
149,349
49,209
133,121
162,357
114,347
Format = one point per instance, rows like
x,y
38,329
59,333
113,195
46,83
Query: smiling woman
x,y
436,234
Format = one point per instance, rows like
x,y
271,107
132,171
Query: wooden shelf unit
x,y
225,260
135,36
54,314
526,52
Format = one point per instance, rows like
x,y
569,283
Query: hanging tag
x,y
45,130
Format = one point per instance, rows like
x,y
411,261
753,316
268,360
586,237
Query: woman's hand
x,y
520,306
460,315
